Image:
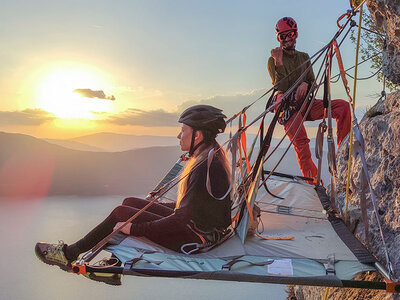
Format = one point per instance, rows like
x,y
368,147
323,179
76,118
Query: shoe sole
x,y
111,280
43,259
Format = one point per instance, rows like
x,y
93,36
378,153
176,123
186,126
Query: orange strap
x,y
341,17
275,239
341,68
244,145
392,287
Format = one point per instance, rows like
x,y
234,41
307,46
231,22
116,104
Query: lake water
x,y
23,276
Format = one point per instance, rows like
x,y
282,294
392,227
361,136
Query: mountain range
x,y
114,142
32,167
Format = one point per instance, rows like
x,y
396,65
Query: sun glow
x,y
56,93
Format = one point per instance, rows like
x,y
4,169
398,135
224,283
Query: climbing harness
x,y
209,239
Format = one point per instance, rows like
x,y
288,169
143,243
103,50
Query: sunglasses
x,y
284,35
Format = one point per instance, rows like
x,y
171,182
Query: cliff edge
x,y
380,128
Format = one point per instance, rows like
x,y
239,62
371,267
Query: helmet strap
x,y
192,146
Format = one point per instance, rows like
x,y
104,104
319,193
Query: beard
x,y
289,46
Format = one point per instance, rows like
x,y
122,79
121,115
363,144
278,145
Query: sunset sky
x,y
70,68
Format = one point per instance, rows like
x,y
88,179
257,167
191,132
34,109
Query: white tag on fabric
x,y
282,267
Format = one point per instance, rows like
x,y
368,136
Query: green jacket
x,y
290,63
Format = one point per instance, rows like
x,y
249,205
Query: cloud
x,y
88,93
232,104
151,118
29,117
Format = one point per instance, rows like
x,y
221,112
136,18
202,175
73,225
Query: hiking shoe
x,y
53,254
108,278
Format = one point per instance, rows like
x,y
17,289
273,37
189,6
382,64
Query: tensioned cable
x,y
285,95
365,78
88,256
348,196
293,215
325,47
308,95
375,32
359,144
263,95
292,207
298,129
348,69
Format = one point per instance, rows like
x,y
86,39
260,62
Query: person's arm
x,y
277,73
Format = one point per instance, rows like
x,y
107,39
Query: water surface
x,y
23,276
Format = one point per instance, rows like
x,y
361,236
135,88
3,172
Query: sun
x,y
56,92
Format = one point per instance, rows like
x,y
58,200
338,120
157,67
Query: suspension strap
x,y
349,162
331,143
319,141
140,257
330,265
359,148
230,264
244,144
168,179
265,142
232,146
319,146
342,71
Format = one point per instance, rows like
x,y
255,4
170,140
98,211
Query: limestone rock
x,y
386,14
381,132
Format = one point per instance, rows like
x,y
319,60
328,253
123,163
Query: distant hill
x,y
33,167
74,145
114,142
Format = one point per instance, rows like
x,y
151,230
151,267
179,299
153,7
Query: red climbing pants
x,y
340,111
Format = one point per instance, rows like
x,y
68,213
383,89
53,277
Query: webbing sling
x,y
358,148
232,146
266,141
331,143
319,147
228,265
297,115
243,140
319,141
168,179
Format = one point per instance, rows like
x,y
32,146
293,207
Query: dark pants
x,y
171,236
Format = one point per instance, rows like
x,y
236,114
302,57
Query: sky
x,y
70,68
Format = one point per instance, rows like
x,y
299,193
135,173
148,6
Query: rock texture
x,y
381,131
386,14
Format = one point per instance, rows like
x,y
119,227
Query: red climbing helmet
x,y
285,24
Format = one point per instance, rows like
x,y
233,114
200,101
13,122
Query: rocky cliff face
x,y
381,131
386,14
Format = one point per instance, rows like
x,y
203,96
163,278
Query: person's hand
x,y
277,54
126,229
301,91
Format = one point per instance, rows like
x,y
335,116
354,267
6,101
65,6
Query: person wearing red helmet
x,y
286,60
